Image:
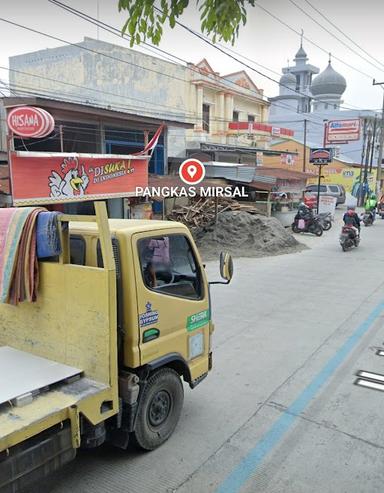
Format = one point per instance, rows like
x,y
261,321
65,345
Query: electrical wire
x,y
107,27
334,36
342,32
310,41
34,91
217,47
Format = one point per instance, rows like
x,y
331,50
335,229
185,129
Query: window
x,y
235,116
251,118
77,250
313,188
334,188
168,266
206,117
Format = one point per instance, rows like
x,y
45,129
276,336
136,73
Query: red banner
x,y
49,178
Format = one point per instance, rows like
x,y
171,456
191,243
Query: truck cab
x,y
126,306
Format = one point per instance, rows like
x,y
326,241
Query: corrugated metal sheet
x,y
238,173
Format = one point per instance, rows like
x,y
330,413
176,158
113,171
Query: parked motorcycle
x,y
349,238
380,210
325,219
307,225
368,218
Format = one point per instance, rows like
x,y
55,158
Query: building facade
x,y
118,78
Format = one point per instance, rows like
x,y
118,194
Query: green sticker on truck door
x,y
197,320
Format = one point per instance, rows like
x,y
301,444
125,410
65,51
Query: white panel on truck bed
x,y
22,373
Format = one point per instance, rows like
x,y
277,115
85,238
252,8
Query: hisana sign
x,y
30,122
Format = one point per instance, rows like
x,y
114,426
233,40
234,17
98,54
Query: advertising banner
x,y
342,131
48,178
320,156
327,204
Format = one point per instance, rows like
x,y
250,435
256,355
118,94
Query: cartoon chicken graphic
x,y
73,182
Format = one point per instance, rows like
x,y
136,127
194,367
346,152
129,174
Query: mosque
x,y
305,93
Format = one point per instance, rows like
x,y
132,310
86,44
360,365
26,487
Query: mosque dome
x,y
328,82
288,79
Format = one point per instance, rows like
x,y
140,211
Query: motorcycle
x,y
325,219
348,238
368,218
380,210
307,225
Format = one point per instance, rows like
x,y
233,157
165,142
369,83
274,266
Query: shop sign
x,y
320,156
342,131
48,178
30,122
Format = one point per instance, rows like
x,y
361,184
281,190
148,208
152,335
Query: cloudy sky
x,y
263,40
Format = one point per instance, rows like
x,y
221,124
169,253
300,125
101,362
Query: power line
x,y
117,32
334,35
218,47
342,32
32,91
125,61
309,40
107,27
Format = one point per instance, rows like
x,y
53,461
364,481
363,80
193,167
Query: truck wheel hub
x,y
159,408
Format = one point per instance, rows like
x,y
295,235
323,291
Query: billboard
x,y
342,131
49,178
320,156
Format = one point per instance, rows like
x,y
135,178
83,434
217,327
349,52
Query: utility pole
x,y
373,144
360,189
305,147
381,142
320,167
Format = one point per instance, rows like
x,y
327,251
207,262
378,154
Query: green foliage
x,y
220,19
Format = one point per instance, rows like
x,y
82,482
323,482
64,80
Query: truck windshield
x,y
168,265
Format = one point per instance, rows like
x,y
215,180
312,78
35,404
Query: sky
x,y
264,40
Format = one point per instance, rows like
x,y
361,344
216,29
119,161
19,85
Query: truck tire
x,y
160,409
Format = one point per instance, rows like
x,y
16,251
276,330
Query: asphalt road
x,y
280,412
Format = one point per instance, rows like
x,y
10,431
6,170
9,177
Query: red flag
x,y
148,149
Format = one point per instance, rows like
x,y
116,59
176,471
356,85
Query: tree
x,y
220,19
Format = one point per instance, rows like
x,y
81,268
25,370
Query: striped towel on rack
x,y
19,275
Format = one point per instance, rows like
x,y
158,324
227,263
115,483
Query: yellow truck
x,y
122,317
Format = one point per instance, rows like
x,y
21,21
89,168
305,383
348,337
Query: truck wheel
x,y
160,409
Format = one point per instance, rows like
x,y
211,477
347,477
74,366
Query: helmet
x,y
350,207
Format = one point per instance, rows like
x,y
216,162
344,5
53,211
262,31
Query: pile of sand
x,y
245,235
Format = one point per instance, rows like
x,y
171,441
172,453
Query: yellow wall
x,y
336,172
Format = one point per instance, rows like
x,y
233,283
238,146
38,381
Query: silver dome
x,y
328,82
288,79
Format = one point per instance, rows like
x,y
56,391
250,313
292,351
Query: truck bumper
x,y
31,462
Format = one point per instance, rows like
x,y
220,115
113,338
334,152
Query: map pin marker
x,y
192,170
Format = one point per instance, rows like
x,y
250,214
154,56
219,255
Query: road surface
x,y
280,412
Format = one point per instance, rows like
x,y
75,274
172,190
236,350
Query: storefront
x,y
86,129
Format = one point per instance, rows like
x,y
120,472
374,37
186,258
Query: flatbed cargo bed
x,y
47,409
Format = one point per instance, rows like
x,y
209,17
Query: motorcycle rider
x,y
304,212
351,219
370,205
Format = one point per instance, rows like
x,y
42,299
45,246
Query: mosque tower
x,y
327,89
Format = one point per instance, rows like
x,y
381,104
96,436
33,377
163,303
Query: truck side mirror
x,y
226,266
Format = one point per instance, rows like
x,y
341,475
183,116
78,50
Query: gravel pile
x,y
245,235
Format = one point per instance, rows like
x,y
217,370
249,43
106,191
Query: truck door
x,y
172,297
